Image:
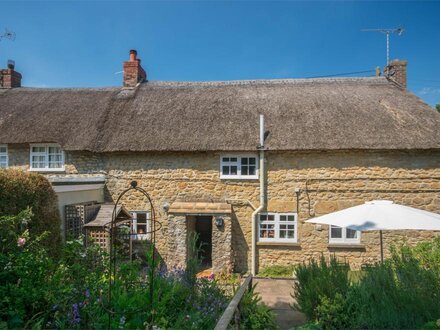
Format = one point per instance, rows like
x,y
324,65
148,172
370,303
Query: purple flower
x,y
76,318
87,293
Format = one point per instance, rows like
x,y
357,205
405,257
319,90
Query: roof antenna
x,y
398,30
7,35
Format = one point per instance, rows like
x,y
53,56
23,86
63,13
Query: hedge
x,y
20,190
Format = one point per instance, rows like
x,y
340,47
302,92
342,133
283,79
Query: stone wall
x,y
328,181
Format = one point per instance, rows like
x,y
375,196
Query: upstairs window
x,y
3,156
141,225
239,167
342,235
46,157
278,227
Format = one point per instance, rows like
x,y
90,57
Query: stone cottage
x,y
242,163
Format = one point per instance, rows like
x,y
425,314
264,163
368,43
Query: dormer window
x,y
46,157
239,167
3,156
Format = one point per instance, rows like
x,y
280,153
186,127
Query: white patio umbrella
x,y
381,215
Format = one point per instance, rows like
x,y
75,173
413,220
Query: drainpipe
x,y
262,198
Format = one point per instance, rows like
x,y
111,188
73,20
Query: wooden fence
x,y
232,312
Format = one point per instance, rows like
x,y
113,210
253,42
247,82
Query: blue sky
x,y
83,43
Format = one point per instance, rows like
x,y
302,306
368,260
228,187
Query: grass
x,y
277,271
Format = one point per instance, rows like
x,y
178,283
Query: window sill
x,y
238,178
279,244
346,246
45,170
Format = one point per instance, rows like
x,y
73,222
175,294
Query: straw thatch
x,y
304,114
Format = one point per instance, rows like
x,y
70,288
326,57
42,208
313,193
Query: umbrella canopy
x,y
381,215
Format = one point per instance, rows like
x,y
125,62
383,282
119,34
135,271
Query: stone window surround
x,y
239,175
344,239
277,223
46,154
4,164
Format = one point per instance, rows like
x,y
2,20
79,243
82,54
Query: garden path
x,y
276,294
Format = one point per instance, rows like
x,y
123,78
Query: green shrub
x,y
330,313
397,294
254,314
401,293
277,271
318,280
20,190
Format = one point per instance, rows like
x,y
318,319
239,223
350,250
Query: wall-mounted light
x,y
165,206
219,221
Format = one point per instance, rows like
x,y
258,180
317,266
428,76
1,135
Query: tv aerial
x,y
7,35
387,32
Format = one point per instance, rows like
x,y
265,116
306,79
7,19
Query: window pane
x,y
283,234
244,170
270,217
226,159
283,218
3,150
336,232
244,161
252,161
38,149
225,170
233,170
351,233
291,218
267,231
291,234
54,150
263,217
233,159
252,170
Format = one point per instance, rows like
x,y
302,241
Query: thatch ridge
x,y
301,114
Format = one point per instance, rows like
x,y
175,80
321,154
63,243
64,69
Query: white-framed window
x,y
278,227
141,225
239,167
4,160
342,235
46,157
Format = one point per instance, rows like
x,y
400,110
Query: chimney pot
x,y
11,64
133,55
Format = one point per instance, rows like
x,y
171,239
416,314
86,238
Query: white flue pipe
x,y
262,205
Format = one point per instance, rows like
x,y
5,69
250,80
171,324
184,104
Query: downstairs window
x,y
278,227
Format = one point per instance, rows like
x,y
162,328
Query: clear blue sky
x,y
83,43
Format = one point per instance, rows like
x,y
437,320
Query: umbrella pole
x,y
381,246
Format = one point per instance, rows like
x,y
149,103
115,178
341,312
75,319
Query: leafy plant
x,y
20,190
318,280
254,314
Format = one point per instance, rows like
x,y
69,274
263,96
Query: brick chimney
x,y
396,71
9,78
133,72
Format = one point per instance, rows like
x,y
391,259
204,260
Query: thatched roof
x,y
301,114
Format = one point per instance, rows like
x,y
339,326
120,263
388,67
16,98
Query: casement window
x,y
278,227
46,157
3,156
239,167
141,225
341,235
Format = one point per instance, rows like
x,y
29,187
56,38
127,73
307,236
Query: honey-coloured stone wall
x,y
327,181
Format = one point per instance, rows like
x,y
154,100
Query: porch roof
x,y
200,208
